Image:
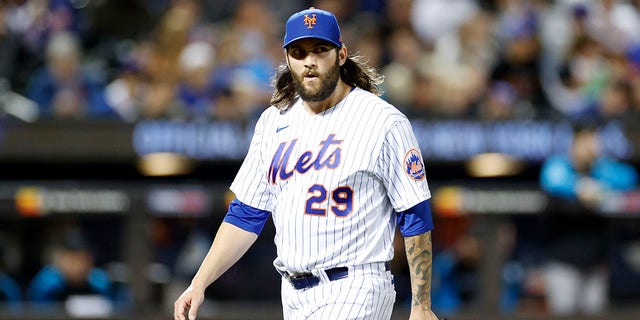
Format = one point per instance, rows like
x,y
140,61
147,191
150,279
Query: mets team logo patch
x,y
413,165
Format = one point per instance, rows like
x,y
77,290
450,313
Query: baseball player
x,y
337,168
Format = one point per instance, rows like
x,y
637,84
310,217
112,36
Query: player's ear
x,y
342,54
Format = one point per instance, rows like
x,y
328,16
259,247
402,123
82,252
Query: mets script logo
x,y
284,165
413,165
309,22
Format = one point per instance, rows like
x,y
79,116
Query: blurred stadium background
x,y
122,123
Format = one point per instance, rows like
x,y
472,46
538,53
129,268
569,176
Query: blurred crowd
x,y
201,60
63,266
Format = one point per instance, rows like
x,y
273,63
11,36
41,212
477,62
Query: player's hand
x,y
189,301
418,313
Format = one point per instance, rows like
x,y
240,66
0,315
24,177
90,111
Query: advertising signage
x,y
439,140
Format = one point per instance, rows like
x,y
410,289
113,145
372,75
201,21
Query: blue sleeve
x,y
45,285
246,217
99,281
416,220
41,90
10,288
616,175
558,178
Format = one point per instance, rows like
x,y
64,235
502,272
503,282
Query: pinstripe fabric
x,y
332,181
374,138
367,293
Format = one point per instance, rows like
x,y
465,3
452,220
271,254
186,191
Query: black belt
x,y
308,280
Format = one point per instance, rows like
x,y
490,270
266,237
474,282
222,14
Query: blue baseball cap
x,y
312,23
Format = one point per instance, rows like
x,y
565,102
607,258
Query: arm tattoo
x,y
418,249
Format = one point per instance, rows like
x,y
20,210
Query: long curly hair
x,y
354,72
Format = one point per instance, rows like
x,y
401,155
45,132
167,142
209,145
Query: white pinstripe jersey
x,y
332,180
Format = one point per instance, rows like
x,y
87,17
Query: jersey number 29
x,y
341,197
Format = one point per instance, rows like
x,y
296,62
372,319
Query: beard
x,y
328,83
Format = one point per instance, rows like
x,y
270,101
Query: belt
x,y
307,280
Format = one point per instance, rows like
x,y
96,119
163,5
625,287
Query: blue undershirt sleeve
x,y
246,217
416,220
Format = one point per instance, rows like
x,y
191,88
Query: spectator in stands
x,y
576,277
614,23
634,119
457,270
71,272
633,76
195,88
36,21
155,89
458,46
499,103
422,103
33,23
435,20
9,45
585,72
62,89
614,103
169,37
126,93
247,55
574,84
517,34
406,54
10,291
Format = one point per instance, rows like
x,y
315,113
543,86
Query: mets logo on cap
x,y
309,21
413,165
